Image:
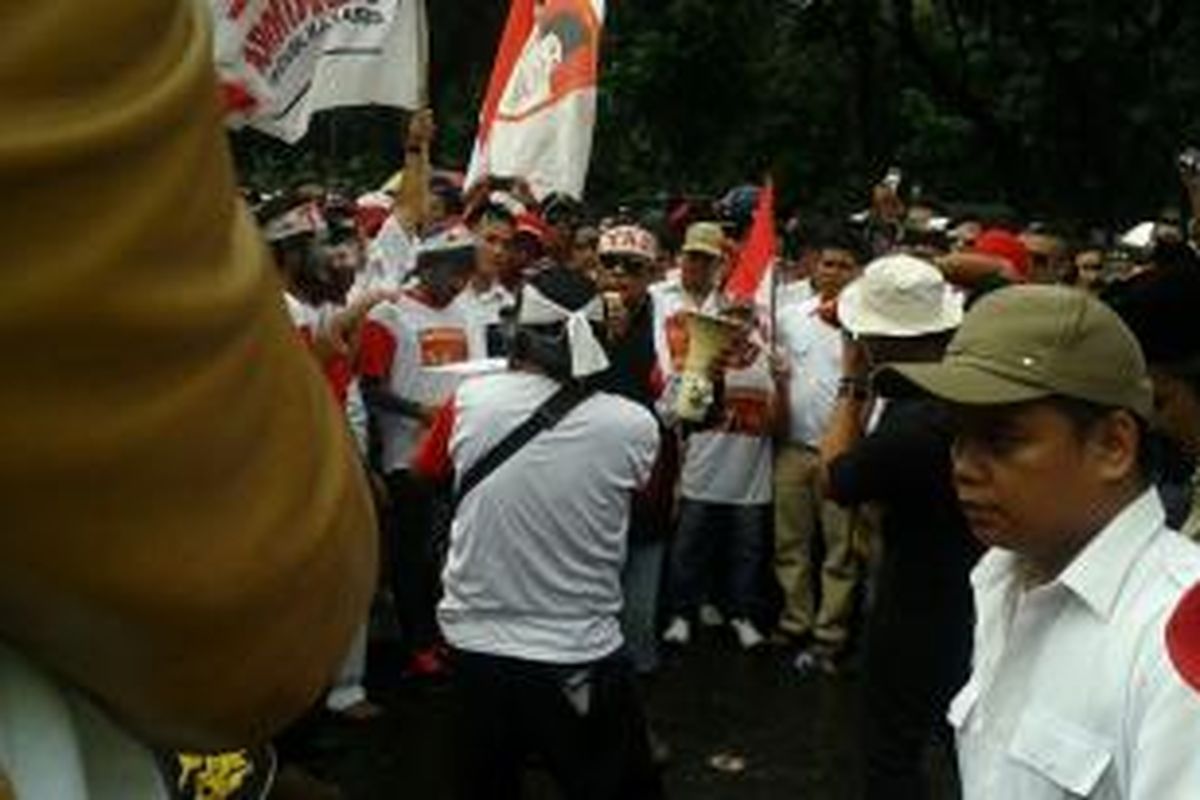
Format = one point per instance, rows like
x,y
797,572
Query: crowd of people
x,y
964,447
818,505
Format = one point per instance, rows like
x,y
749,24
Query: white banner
x,y
281,60
540,110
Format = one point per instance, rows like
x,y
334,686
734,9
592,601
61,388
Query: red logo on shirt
x,y
441,346
747,412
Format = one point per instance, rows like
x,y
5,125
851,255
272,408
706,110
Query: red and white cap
x,y
1183,638
628,240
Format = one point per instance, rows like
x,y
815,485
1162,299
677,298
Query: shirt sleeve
x,y
887,463
432,457
179,492
377,350
1166,727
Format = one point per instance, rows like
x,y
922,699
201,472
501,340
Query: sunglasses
x,y
624,265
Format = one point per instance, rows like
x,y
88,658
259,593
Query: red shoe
x,y
427,663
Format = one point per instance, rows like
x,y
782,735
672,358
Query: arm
x,y
188,498
850,413
412,204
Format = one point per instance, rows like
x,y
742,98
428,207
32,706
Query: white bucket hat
x,y
900,296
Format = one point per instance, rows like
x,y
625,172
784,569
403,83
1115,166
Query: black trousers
x,y
585,724
917,658
414,543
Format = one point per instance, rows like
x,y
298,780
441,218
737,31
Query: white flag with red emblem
x,y
540,108
280,61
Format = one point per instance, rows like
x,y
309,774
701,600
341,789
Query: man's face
x,y
835,270
1046,254
698,272
629,276
1029,481
495,239
584,257
443,283
1089,267
1177,411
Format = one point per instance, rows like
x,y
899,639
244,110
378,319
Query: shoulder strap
x,y
546,416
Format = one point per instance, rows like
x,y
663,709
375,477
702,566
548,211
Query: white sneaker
x,y
678,632
748,635
710,616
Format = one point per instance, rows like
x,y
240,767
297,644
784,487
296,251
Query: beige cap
x,y
1025,343
706,238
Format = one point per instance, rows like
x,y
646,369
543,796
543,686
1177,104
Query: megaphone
x,y
708,337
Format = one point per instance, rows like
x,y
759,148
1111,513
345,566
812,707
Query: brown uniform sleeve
x,y
186,532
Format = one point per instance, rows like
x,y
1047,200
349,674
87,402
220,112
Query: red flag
x,y
539,112
759,252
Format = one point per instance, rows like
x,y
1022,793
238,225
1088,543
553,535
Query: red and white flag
x,y
752,278
279,61
540,108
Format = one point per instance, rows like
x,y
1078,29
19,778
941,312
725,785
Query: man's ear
x,y
1117,440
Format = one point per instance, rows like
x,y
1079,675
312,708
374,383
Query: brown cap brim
x,y
705,250
962,383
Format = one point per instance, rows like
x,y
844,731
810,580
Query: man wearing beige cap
x,y
919,626
693,288
1073,692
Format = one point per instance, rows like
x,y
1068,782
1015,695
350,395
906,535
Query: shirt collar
x,y
1097,574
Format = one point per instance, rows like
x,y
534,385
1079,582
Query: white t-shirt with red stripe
x,y
403,343
309,321
730,463
536,549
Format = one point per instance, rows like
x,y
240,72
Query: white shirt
x,y
730,463
482,310
793,293
1073,693
405,344
536,549
55,744
813,349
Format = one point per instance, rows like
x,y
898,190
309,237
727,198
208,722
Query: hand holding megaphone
x,y
713,345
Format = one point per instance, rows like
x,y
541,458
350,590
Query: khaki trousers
x,y
801,515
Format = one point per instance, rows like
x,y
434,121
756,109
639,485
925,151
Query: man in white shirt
x,y
702,262
811,344
485,299
533,575
1073,692
407,343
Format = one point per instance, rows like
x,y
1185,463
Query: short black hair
x,y
843,237
1085,416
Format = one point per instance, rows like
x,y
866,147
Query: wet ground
x,y
796,737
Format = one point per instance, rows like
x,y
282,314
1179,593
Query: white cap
x,y
900,296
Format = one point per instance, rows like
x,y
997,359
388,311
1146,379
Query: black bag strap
x,y
545,417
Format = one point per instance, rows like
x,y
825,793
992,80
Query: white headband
x,y
587,354
306,218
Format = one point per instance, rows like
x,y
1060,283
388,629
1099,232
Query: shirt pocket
x,y
1062,752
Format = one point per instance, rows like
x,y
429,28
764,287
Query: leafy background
x,y
1070,111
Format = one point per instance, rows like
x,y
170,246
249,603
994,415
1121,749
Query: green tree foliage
x,y
1065,109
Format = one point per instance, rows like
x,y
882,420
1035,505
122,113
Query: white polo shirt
x,y
536,549
813,349
1073,693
